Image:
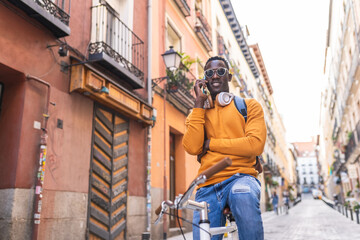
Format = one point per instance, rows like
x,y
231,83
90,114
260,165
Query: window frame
x,y
170,23
1,94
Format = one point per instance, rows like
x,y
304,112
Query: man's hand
x,y
258,166
200,96
204,151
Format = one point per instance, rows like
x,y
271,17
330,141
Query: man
x,y
275,202
221,132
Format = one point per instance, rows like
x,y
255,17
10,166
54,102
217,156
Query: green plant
x,y
347,204
267,179
178,77
348,193
275,183
268,206
349,135
356,207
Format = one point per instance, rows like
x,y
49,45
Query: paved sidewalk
x,y
309,220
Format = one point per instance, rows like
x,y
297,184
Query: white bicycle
x,y
182,201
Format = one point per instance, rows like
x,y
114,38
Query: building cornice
x,y
239,35
262,66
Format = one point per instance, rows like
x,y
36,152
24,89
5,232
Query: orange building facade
x,y
185,25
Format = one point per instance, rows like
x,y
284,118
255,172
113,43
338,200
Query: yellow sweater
x,y
229,137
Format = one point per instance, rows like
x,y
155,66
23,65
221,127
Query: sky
x,y
292,38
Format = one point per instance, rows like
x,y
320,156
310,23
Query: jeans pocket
x,y
240,188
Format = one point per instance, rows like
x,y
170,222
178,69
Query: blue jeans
x,y
241,193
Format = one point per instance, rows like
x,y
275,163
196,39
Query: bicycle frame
x,y
183,202
204,224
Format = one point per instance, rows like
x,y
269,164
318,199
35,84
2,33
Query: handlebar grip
x,y
158,210
217,168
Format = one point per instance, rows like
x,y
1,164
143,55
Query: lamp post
x,y
172,61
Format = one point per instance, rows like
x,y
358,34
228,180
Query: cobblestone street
x,y
310,219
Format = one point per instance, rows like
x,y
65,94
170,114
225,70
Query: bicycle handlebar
x,y
158,210
216,168
208,173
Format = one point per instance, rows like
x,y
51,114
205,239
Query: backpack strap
x,y
241,106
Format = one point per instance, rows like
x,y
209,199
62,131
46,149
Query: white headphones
x,y
224,98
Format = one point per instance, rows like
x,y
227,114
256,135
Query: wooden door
x,y
108,176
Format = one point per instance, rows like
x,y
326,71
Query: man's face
x,y
217,84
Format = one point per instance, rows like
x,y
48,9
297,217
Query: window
x,y
125,9
1,93
173,38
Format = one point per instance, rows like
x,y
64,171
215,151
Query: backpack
x,y
240,105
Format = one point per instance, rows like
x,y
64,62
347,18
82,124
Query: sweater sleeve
x,y
193,139
255,135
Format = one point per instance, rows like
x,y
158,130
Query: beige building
x,y
340,107
250,80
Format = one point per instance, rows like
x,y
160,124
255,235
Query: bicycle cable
x,y
178,218
185,220
177,211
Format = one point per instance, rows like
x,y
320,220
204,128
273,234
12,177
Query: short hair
x,y
218,58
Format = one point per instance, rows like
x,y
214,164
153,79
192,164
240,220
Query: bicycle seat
x,y
226,210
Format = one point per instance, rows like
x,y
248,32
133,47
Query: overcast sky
x,y
291,35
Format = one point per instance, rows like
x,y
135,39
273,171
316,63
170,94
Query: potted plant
x,y
178,77
348,193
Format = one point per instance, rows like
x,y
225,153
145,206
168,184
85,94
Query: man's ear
x,y
230,77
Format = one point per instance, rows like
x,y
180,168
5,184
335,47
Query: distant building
x,y
307,165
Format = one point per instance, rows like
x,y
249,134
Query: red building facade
x,y
73,119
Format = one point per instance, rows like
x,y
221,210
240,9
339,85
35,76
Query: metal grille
x,y
111,36
108,177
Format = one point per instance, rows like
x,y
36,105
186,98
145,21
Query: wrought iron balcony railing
x,y
55,15
115,46
353,141
179,92
183,6
57,9
203,30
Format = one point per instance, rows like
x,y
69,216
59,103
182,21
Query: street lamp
x,y
172,59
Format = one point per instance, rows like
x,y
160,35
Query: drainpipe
x,y
41,165
165,179
149,140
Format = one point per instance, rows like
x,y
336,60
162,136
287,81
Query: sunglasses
x,y
219,71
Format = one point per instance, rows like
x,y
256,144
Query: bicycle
x,y
183,202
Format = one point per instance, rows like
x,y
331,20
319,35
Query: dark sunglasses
x,y
219,71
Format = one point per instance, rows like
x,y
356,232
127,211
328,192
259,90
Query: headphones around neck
x,y
223,99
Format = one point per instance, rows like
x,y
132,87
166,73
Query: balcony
x,y
203,30
264,96
115,46
181,94
270,167
352,148
336,130
54,15
183,6
271,136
